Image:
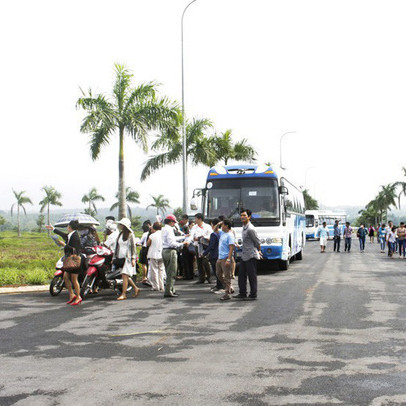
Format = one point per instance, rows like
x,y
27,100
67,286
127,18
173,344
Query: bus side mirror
x,y
283,190
193,204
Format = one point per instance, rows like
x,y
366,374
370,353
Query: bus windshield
x,y
227,196
309,220
330,220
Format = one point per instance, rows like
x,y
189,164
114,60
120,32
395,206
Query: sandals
x,y
122,297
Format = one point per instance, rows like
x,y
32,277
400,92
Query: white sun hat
x,y
126,222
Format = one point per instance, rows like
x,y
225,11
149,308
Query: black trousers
x,y
337,241
204,269
248,269
187,263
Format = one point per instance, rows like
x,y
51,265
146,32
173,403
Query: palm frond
x,y
158,161
145,91
114,206
121,86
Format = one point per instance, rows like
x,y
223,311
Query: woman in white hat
x,y
125,255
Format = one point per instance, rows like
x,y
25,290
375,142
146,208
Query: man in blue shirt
x,y
323,234
337,236
225,262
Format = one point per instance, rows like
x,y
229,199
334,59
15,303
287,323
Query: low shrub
x,y
10,277
37,277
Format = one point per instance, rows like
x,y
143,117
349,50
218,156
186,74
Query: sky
x,y
331,71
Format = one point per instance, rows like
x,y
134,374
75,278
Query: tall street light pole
x,y
184,160
280,147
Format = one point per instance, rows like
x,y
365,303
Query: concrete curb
x,y
24,289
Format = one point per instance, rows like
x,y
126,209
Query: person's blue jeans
x,y
362,243
391,248
402,247
383,241
347,244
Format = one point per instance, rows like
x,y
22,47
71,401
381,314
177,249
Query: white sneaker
x,y
220,291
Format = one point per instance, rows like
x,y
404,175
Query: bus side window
x,y
288,205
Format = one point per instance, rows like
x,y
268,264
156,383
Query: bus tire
x,y
284,265
299,255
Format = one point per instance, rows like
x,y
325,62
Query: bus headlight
x,y
262,240
269,240
277,240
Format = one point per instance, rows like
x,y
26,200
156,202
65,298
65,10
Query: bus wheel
x,y
299,255
284,265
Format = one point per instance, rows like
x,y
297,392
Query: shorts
x,y
323,241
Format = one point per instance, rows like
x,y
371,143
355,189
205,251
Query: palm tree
x,y
132,111
388,195
198,147
402,186
130,196
160,203
310,202
40,222
368,216
225,149
91,198
51,198
379,206
20,201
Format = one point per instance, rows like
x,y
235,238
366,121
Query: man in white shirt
x,y
199,234
111,235
156,263
170,244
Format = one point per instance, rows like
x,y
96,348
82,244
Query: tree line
x,y
388,197
52,198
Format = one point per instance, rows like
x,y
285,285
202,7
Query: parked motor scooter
x,y
102,274
57,283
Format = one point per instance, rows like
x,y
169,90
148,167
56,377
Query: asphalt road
x,y
330,330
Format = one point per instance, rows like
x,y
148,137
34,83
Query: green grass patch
x,y
27,260
30,259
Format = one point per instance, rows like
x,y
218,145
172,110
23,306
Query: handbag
x,y
72,262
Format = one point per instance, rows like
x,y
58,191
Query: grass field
x,y
29,260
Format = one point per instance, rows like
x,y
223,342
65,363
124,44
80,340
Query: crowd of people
x,y
390,237
170,251
188,249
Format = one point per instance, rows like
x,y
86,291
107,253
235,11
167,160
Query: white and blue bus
x,y
315,219
277,207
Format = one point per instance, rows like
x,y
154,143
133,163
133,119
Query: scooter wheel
x,y
56,285
87,284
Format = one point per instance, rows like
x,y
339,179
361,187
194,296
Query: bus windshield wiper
x,y
237,209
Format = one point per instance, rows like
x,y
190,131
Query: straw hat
x,y
125,222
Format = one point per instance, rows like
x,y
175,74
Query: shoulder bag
x,y
72,262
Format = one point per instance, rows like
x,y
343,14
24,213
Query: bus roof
x,y
325,213
241,171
